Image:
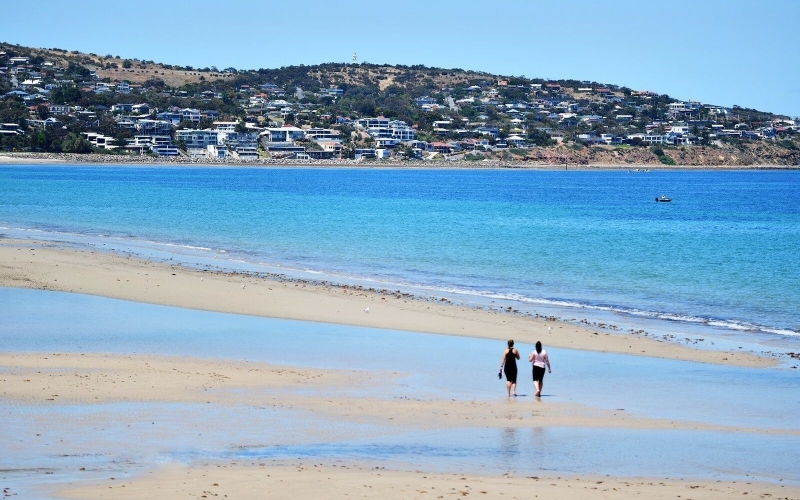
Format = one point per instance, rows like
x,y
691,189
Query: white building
x,y
154,127
391,132
191,115
99,140
284,134
197,139
316,134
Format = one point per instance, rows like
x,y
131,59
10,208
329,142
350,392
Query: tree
x,y
65,95
74,143
13,111
121,140
540,138
127,64
187,124
77,69
42,111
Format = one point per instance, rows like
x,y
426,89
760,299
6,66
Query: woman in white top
x,y
539,359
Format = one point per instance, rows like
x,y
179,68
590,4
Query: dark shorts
x,y
538,373
511,374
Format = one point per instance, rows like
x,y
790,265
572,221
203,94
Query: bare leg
x,y
508,389
514,388
537,386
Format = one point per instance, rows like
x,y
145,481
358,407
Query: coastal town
x,y
60,102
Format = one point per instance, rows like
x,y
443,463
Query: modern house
x,y
154,128
197,139
284,134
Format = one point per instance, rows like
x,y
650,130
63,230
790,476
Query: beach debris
x,y
243,286
366,310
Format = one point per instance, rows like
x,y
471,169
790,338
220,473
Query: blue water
x,y
723,253
119,439
429,365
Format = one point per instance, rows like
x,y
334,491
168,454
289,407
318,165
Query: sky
x,y
723,52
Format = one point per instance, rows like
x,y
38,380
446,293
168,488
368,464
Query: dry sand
x,y
48,266
331,481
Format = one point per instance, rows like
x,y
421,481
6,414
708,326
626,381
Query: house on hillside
x,y
154,128
285,134
197,139
58,109
170,116
122,108
192,115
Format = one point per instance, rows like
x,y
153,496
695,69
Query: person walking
x,y
508,364
539,359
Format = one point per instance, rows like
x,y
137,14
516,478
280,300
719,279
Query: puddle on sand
x,y
124,437
540,451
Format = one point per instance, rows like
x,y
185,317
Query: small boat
x,y
664,199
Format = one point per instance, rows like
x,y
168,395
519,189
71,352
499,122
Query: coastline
x,y
148,161
50,266
54,382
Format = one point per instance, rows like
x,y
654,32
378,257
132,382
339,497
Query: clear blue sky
x,y
720,52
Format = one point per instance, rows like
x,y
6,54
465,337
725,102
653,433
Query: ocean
x,y
721,258
718,262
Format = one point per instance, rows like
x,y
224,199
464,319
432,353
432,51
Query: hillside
x,y
448,113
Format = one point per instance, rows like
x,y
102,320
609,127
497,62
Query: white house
x,y
197,139
188,114
284,134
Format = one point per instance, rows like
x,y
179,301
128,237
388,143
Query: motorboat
x,y
663,199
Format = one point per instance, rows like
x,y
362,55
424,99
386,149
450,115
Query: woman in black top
x,y
508,364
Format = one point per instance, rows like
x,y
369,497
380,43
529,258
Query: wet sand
x,y
306,479
74,378
49,266
48,381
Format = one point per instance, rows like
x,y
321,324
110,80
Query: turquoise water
x,y
434,365
722,255
117,439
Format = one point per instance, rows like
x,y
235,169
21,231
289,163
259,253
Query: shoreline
x,y
71,159
344,480
54,382
51,266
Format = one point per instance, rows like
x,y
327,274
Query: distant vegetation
x,y
515,116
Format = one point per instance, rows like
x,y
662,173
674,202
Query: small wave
x,y
189,247
463,293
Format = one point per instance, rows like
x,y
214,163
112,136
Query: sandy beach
x,y
48,266
347,481
61,379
